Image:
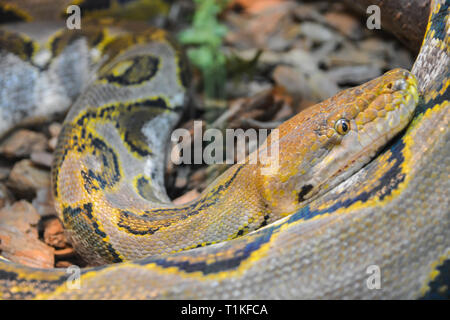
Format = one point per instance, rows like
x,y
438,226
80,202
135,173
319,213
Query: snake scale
x,y
308,229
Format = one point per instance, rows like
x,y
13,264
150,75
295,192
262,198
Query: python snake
x,y
308,229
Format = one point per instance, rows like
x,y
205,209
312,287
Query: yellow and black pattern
x,y
130,9
143,187
392,213
132,72
128,118
81,221
12,13
19,45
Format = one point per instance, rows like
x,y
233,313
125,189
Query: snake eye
x,y
342,126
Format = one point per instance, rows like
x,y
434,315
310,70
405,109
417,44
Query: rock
x,y
25,178
350,55
317,33
313,87
289,79
354,75
301,59
246,89
21,215
43,202
24,248
42,158
264,29
19,236
398,57
4,173
6,197
261,106
52,143
308,12
22,142
54,128
54,233
373,45
320,87
347,24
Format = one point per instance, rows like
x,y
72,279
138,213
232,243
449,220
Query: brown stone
x,y
22,142
25,178
354,74
54,128
313,87
347,24
42,158
262,29
52,143
4,173
24,249
308,12
43,202
23,216
6,197
288,78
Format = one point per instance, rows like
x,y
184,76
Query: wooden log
x,y
406,19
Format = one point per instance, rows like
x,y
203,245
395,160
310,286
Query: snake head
x,y
329,142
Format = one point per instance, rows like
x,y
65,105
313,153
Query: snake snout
x,y
399,80
402,88
399,85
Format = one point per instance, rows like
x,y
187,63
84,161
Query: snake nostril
x,y
399,85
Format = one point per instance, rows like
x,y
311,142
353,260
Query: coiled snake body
x,y
306,229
